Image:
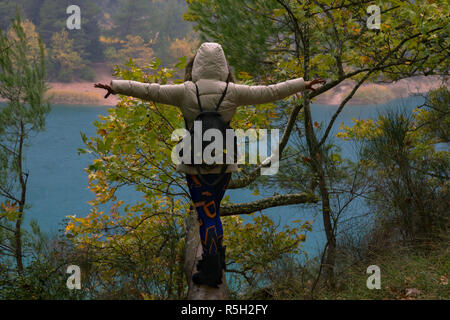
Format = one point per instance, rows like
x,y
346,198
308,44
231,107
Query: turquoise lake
x,y
57,185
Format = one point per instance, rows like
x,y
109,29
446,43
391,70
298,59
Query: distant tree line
x,y
111,31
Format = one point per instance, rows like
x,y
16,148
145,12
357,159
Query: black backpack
x,y
210,120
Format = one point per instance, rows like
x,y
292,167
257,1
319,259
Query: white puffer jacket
x,y
209,71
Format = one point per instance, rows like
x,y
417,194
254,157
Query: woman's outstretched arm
x,y
168,94
248,95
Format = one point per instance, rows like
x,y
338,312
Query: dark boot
x,y
222,257
200,262
210,272
221,252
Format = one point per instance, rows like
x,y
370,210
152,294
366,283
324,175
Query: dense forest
x,y
146,249
111,31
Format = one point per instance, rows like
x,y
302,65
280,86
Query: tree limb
x,y
341,106
270,202
245,181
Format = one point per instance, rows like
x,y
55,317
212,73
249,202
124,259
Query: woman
x,y
208,69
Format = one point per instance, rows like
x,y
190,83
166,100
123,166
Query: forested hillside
x,y
111,32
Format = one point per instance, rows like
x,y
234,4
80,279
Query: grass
x,y
405,274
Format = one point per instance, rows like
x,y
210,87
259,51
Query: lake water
x,y
58,184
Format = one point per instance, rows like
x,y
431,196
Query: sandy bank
x,y
84,93
374,93
80,93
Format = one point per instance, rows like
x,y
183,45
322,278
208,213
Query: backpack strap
x,y
223,96
198,98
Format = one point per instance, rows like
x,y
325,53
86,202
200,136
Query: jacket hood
x,y
210,63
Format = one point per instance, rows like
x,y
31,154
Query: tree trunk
x,y
192,254
18,245
317,166
23,186
329,231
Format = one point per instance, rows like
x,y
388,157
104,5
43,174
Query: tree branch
x,y
341,106
245,181
270,202
378,67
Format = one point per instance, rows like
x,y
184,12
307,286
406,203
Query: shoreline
x,y
84,94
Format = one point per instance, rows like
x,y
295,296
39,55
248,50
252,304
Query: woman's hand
x,y
309,84
106,87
